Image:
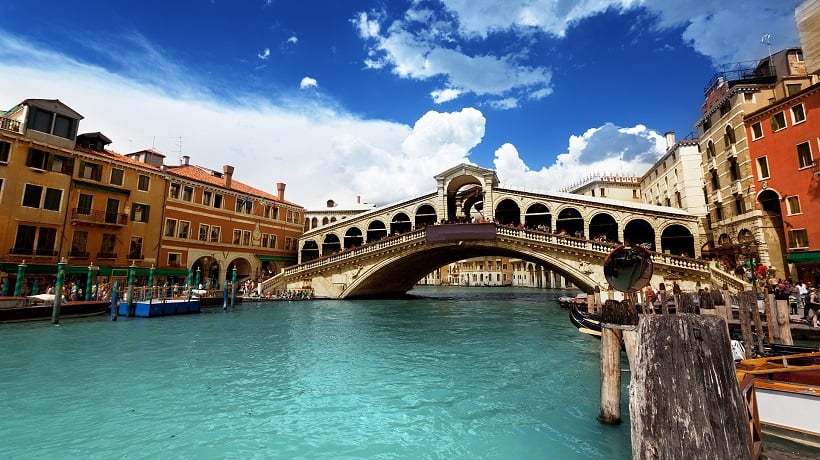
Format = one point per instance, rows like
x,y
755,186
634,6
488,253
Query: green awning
x,y
808,257
267,258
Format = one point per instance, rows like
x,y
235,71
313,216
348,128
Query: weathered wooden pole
x,y
771,316
745,322
596,300
614,317
685,401
662,297
757,322
784,330
724,307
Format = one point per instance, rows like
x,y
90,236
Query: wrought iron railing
x,y
98,217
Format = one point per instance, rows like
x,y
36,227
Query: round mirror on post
x,y
628,268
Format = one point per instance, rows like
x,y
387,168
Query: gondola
x,y
586,322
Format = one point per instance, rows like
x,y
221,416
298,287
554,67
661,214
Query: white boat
x,y
787,390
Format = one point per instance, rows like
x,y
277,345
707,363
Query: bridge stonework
x,y
385,251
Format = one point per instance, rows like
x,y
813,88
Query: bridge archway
x,y
508,213
353,238
678,241
602,227
538,216
400,224
425,215
639,232
310,251
331,244
376,231
570,222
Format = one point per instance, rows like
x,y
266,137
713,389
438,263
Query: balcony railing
x,y
32,252
9,125
98,217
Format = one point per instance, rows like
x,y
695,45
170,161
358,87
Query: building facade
x,y
616,187
784,148
737,229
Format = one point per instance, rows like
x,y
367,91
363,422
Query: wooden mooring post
x,y
685,401
618,321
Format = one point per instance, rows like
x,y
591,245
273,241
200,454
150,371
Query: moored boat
x,y
586,322
787,390
38,308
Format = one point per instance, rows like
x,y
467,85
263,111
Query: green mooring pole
x,y
190,282
150,283
18,285
89,280
233,286
58,293
132,270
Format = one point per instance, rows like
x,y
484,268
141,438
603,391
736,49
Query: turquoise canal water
x,y
449,373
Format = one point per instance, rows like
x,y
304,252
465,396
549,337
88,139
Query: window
x,y
63,126
710,149
46,238
91,171
728,137
203,232
799,55
707,124
174,259
778,121
143,182
714,179
603,194
139,212
798,238
798,114
740,207
804,155
53,199
184,227
116,176
762,168
5,149
40,120
135,248
734,170
748,97
246,237
24,240
79,244
268,240
793,204
170,227
724,108
32,195
32,240
112,211
188,193
635,193
206,197
237,236
37,159
215,234
107,246
174,191
793,88
218,201
757,131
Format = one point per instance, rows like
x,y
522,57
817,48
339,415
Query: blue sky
x,y
340,99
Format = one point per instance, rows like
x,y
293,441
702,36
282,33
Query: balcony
x,y
716,197
8,124
737,188
32,252
81,215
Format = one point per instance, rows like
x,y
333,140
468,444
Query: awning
x,y
808,257
267,258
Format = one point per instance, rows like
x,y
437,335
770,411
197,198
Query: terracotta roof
x,y
114,156
206,175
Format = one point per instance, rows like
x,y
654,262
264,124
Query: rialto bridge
x,y
386,251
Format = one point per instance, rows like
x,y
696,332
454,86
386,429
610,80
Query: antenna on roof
x,y
766,39
179,148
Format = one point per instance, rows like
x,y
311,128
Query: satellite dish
x,y
628,268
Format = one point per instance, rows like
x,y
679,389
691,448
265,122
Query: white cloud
x,y
444,95
308,82
606,150
264,54
293,40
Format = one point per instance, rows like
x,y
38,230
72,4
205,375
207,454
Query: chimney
x,y
670,139
358,199
227,171
280,191
185,160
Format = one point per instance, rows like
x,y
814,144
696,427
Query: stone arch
x,y
425,215
603,227
244,269
538,216
376,231
639,232
507,212
353,238
331,244
773,232
678,241
724,240
325,221
310,251
570,222
464,189
400,223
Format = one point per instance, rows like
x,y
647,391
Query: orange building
x,y
784,148
214,223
